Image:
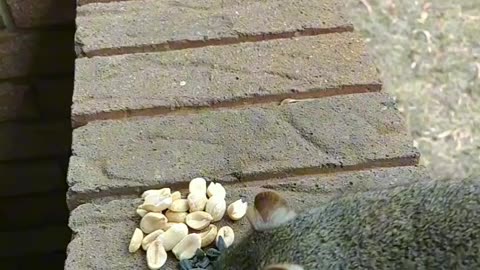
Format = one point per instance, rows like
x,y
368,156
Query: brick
x,y
118,27
108,227
34,140
108,87
34,13
32,54
16,102
42,98
331,133
33,211
27,177
42,240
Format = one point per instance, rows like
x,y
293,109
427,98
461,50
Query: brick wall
x,y
36,85
166,91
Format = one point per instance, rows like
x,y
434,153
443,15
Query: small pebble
x,y
200,254
213,253
194,260
203,263
201,260
186,265
221,244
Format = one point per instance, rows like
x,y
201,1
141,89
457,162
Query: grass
x,y
428,53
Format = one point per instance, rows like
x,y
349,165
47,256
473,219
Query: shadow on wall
x,y
36,87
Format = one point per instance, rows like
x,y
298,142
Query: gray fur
x,y
419,226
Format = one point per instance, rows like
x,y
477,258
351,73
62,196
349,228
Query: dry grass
x,y
429,56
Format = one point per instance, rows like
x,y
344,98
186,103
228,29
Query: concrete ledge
x,y
224,76
334,133
151,25
102,232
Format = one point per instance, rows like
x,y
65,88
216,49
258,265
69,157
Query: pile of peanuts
x,y
183,225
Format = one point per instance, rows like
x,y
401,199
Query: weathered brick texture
x,y
166,91
343,131
221,76
35,54
36,13
103,244
128,26
35,131
39,99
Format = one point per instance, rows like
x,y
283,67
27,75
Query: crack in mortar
x,y
80,119
189,44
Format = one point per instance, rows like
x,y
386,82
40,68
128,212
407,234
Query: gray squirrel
x,y
422,225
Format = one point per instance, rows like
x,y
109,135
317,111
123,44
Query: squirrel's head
x,y
268,212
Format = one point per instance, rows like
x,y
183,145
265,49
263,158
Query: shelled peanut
x,y
168,218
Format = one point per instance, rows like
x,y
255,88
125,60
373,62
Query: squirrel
x,y
421,225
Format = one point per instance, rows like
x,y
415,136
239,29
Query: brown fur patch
x,y
269,210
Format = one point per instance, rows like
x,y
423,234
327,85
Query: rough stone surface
x,y
23,178
34,140
39,53
108,227
211,76
253,143
104,28
16,102
146,59
34,13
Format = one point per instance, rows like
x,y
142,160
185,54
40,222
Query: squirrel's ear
x,y
270,210
283,266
